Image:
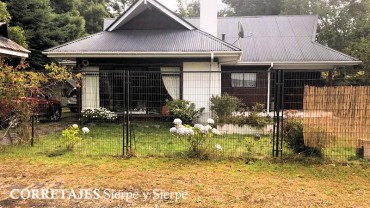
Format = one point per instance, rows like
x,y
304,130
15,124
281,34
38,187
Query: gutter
x,y
14,52
140,54
313,63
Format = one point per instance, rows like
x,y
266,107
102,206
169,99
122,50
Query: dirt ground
x,y
206,183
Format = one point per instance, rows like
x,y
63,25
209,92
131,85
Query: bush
x,y
255,117
223,106
183,110
293,137
71,137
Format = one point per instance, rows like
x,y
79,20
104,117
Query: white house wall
x,y
198,87
90,88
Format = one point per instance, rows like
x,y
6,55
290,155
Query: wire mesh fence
x,y
228,114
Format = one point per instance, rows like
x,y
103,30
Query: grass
x,y
297,182
208,183
151,139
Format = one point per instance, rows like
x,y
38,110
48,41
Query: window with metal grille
x,y
244,80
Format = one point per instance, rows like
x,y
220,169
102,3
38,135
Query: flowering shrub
x,y
196,136
71,136
99,114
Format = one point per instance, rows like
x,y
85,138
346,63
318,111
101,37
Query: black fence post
x,y
277,146
128,112
124,114
126,130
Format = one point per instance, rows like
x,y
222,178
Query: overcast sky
x,y
172,4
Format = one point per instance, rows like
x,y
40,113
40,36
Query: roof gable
x,y
140,10
151,19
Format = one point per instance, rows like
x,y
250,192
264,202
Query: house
x,y
191,56
9,48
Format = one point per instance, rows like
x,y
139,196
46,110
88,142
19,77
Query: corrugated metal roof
x,y
276,39
11,45
146,41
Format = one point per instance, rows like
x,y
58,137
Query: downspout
x,y
210,79
269,87
210,73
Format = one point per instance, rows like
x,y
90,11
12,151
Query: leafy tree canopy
x,y
15,33
188,10
4,14
254,7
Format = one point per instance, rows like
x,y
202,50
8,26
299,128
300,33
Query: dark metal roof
x,y
146,41
277,39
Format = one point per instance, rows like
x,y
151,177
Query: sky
x,y
172,4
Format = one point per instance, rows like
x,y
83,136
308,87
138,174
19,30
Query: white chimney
x,y
208,16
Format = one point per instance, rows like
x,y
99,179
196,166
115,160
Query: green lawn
x,y
151,139
154,139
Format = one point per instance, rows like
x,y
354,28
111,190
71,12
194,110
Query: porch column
x,y
90,88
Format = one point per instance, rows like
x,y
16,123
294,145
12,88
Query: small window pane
x,y
244,80
237,79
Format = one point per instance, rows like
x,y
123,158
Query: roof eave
x,y
14,52
216,54
303,64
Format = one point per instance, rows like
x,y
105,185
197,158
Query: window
x,y
243,80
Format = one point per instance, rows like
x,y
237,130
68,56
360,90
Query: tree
x,y
15,33
15,82
64,6
94,13
43,27
295,7
254,7
4,14
117,7
188,10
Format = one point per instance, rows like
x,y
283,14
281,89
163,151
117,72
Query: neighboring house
x,y
149,37
9,48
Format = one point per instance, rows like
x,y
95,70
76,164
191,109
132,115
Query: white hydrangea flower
x,y
181,131
75,126
189,132
85,130
203,130
210,121
173,130
218,147
208,127
177,121
215,131
198,126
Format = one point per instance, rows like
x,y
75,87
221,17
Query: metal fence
x,y
280,113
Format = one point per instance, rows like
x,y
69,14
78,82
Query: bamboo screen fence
x,y
336,116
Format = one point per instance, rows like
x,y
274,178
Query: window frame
x,y
244,80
